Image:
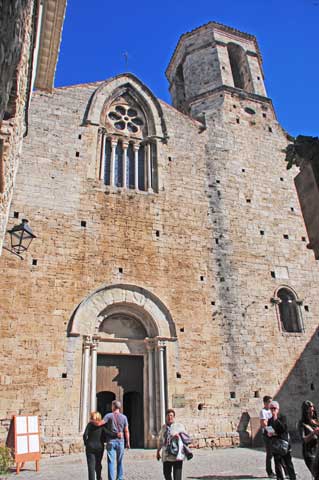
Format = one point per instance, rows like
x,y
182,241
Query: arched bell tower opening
x,y
239,67
127,335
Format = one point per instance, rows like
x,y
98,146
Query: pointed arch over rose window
x,y
131,125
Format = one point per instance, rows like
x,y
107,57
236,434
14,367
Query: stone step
x,y
141,453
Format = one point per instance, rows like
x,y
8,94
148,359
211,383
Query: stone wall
x,y
73,261
222,234
16,26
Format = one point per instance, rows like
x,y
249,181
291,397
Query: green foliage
x,y
5,459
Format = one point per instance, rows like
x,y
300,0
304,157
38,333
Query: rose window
x,y
125,118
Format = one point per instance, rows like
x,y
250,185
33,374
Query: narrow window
x,y
141,168
107,165
154,180
118,168
130,167
289,311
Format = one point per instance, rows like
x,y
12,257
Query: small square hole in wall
x,y
15,214
312,387
307,308
64,375
178,375
216,241
202,278
292,209
234,106
237,120
120,270
34,262
213,303
266,307
77,154
169,159
217,181
248,200
157,233
281,179
264,115
269,129
258,78
273,274
303,239
223,68
286,236
256,394
243,170
79,137
262,232
182,329
232,395
83,223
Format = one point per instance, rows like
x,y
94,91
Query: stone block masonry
x,y
183,277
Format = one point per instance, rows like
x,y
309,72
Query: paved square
x,y
207,464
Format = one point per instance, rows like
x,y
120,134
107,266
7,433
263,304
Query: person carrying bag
x,y
277,430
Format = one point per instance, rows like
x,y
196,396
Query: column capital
x,y
87,341
125,144
150,343
95,343
136,146
161,344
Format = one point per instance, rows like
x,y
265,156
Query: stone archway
x,y
118,324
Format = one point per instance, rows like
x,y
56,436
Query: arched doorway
x,y
128,336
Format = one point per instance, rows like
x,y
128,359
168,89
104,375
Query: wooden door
x,y
122,375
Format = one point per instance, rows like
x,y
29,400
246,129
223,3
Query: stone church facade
x,y
171,267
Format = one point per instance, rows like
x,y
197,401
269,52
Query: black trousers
x,y
286,462
94,461
269,455
177,470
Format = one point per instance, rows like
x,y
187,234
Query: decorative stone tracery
x,y
131,124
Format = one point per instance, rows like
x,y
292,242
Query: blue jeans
x,y
115,450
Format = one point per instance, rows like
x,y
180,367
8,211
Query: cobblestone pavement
x,y
207,464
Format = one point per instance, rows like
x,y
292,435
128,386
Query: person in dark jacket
x,y
95,435
309,432
277,428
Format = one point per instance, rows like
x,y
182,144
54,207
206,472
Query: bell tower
x,y
209,60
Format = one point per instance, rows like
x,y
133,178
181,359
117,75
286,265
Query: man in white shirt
x,y
264,416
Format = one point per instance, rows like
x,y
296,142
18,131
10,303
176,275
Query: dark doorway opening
x,y
104,402
120,377
133,409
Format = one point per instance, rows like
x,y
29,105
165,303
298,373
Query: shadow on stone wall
x,y
301,383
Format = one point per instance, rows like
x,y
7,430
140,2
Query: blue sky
x,y
96,37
